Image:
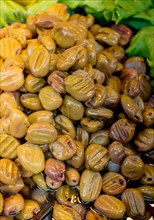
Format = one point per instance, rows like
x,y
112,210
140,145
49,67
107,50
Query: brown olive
x,y
116,152
55,169
145,87
125,33
57,80
122,131
113,183
134,202
148,116
137,63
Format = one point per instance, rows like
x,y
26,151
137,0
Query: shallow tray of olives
x,y
76,121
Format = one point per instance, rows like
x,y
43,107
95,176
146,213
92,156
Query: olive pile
x,y
76,117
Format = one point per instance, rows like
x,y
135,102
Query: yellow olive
x,y
67,33
49,98
91,125
65,125
40,181
90,185
74,57
9,171
72,176
96,157
31,101
12,78
1,203
72,108
8,146
14,204
110,206
52,184
41,116
80,86
39,61
41,133
16,123
7,103
13,188
31,157
15,60
78,159
9,47
67,195
30,208
61,212
34,84
60,10
92,215
82,136
31,46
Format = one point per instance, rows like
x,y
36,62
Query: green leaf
x,y
71,3
141,20
152,85
127,8
11,12
142,44
41,5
